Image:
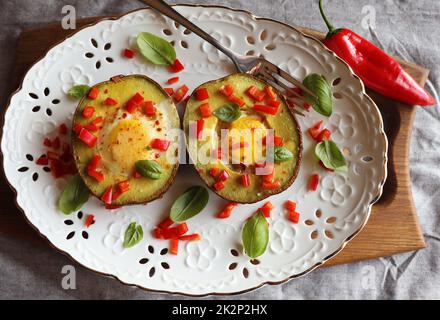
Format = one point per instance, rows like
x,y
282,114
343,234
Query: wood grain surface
x,y
393,226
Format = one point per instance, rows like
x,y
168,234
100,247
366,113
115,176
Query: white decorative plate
x,y
215,265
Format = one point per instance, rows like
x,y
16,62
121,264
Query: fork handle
x,y
162,7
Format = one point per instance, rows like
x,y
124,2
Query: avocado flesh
x,y
142,190
283,123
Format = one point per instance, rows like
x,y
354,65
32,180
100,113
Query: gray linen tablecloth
x,y
410,29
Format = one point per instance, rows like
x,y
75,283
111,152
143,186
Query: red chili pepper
x,y
88,138
255,93
294,216
174,246
226,90
180,93
88,112
323,135
166,223
107,195
199,128
377,69
160,144
313,182
170,91
236,100
290,205
314,131
149,108
43,161
213,172
271,185
89,220
265,109
270,92
128,53
177,66
190,237
93,93
110,102
224,175
173,80
205,110
62,128
202,94
245,180
218,186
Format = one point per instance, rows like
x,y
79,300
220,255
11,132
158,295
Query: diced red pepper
x,y
157,232
199,128
190,237
271,185
137,98
93,93
56,143
236,100
227,210
174,246
270,92
224,175
170,233
226,90
202,94
88,112
177,66
205,110
274,103
314,131
265,109
77,128
166,223
173,80
53,155
255,93
149,108
62,129
89,220
133,103
160,144
294,216
107,196
218,186
124,186
323,135
112,206
266,209
137,175
278,141
181,93
98,176
95,162
313,182
170,91
213,172
47,142
88,138
43,161
245,180
290,205
128,53
110,102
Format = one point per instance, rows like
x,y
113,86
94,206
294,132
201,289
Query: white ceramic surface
x,y
216,264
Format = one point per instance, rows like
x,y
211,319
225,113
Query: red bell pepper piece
x,y
245,180
89,220
93,93
271,185
124,186
224,175
265,109
174,246
294,216
134,101
313,182
88,138
218,186
274,103
43,161
255,93
180,93
177,66
166,223
236,100
47,142
62,129
266,209
174,232
56,143
170,91
226,90
157,232
278,141
173,80
213,172
290,205
315,130
205,110
202,94
323,135
160,144
199,128
149,108
88,112
107,195
98,176
110,102
137,175
270,92
377,69
190,237
95,162
128,53
227,210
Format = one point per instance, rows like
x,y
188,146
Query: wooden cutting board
x,y
393,226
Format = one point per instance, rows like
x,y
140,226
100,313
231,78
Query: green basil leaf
x,y
330,155
255,235
75,194
282,154
228,112
78,91
149,168
189,204
156,49
133,235
323,102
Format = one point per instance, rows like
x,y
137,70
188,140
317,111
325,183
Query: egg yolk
x,y
245,140
124,145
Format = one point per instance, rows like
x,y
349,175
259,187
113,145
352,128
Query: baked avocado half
x,y
118,124
259,153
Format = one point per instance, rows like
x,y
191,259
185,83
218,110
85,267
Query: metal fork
x,y
255,66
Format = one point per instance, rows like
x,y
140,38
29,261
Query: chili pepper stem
x,y
331,29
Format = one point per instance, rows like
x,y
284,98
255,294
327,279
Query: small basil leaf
x,y
282,154
228,112
75,194
133,235
255,235
330,155
156,49
323,102
149,168
189,204
78,91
